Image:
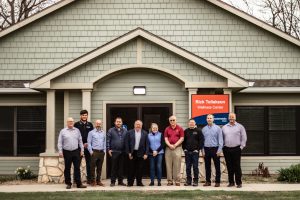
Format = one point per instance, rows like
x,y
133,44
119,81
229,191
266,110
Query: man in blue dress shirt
x,y
97,147
213,144
69,140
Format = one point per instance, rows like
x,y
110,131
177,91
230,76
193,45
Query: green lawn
x,y
155,195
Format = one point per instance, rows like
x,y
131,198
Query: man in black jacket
x,y
193,142
115,145
137,147
85,127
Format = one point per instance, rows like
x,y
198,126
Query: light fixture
x,y
139,90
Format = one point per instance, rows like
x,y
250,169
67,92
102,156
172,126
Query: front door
x,y
148,113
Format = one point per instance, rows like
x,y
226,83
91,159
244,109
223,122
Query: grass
x,y
155,195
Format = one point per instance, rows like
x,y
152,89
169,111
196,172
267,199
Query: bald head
x,y
98,124
232,118
70,122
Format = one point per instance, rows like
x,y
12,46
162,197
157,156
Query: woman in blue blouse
x,y
156,151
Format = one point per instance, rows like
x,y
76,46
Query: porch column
x,y
191,92
86,102
229,92
50,122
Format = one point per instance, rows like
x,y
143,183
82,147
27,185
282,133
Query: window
x,y
23,130
271,130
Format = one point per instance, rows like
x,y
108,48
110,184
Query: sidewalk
x,y
61,187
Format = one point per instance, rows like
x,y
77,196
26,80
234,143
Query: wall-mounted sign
x,y
218,105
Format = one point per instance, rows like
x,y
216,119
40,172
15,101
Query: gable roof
x,y
233,79
218,3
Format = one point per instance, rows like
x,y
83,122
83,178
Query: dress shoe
x,y
207,184
68,186
230,185
159,184
177,184
170,183
187,184
112,184
81,186
140,184
122,184
89,182
93,183
151,183
217,185
239,186
129,185
100,183
195,184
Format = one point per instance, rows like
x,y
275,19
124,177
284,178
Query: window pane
x,y
255,143
31,130
282,118
6,143
31,143
282,142
31,118
7,119
251,117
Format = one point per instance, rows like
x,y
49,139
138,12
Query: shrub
x,y
24,173
291,174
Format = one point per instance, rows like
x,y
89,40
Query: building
x,y
91,54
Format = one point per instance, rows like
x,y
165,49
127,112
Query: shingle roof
x,y
276,83
13,83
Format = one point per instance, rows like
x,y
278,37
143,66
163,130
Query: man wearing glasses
x,y
174,137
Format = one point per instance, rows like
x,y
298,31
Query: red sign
x,y
217,105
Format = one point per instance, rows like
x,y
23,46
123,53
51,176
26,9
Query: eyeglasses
x,y
172,120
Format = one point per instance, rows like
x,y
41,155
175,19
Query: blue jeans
x,y
192,160
155,164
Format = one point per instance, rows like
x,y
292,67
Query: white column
x,y
50,122
66,105
229,92
87,101
191,92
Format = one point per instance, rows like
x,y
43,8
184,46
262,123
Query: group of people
x,y
83,139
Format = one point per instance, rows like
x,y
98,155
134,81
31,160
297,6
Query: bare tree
x,y
14,11
282,14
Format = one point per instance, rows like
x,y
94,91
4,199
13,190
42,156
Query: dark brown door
x,y
148,113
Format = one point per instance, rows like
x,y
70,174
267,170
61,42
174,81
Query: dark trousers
x,y
87,157
233,163
72,157
192,160
96,163
117,165
211,153
135,169
156,165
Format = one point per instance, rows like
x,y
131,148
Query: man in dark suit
x,y
137,147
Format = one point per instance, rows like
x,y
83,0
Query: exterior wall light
x,y
139,90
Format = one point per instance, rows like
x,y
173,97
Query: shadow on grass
x,y
155,195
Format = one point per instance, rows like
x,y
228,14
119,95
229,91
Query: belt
x,y
70,150
210,147
232,147
100,151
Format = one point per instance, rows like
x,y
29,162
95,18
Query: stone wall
x,y
51,169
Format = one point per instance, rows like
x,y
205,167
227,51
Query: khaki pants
x,y
96,162
173,164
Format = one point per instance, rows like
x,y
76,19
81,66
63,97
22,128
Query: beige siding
x,y
249,164
152,55
197,26
21,99
8,165
75,104
160,88
266,99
